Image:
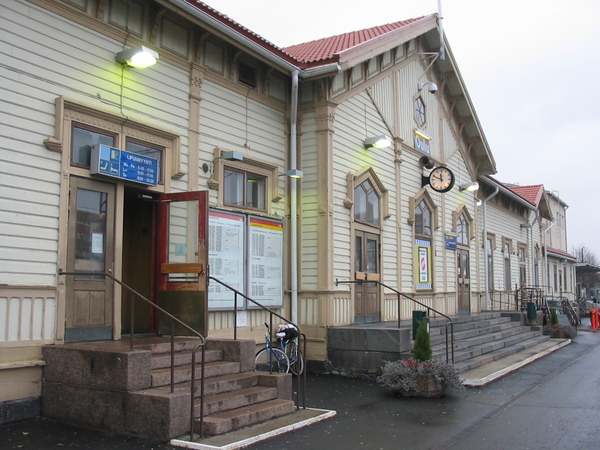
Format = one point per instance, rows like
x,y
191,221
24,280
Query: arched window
x,y
366,204
422,220
462,230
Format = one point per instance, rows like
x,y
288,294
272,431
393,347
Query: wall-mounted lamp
x,y
294,173
139,57
382,141
421,134
479,202
526,225
473,186
432,87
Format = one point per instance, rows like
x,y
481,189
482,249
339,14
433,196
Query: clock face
x,y
441,179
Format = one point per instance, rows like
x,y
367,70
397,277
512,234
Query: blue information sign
x,y
125,165
451,241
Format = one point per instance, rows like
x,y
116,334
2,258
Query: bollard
x,y
594,318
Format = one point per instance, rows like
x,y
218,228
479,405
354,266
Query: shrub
x,y
422,349
401,376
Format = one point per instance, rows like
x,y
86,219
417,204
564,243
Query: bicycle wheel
x,y
273,360
295,356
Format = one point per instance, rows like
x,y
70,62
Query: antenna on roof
x,y
441,18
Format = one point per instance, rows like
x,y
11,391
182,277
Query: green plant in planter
x,y
420,376
422,349
556,330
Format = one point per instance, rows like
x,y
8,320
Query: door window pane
x,y
90,233
359,254
183,237
372,256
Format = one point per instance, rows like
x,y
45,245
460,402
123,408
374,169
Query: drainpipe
x,y
294,200
485,246
546,268
532,249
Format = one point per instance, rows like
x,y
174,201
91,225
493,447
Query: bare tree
x,y
588,276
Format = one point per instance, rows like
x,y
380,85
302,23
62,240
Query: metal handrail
x,y
449,325
174,320
272,313
510,304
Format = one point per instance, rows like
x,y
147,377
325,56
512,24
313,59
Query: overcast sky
x,y
530,67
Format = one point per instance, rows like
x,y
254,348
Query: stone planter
x,y
427,387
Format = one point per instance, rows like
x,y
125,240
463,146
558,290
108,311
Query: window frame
x,y
69,113
253,166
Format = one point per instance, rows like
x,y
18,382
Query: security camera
x,y
432,87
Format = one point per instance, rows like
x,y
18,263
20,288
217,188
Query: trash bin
x,y
418,317
531,312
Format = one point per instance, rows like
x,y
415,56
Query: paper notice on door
x,y
97,243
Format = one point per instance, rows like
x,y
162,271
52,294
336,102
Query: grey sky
x,y
529,67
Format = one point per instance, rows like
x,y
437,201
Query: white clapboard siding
x,y
309,236
27,318
47,56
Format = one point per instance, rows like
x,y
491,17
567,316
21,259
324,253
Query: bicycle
x,y
271,359
288,342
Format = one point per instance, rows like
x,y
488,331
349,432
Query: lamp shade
x,y
470,187
382,141
139,57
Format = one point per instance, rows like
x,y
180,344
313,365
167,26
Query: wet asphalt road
x,y
552,403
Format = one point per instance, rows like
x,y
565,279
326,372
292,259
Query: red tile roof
x,y
533,194
558,252
314,53
326,48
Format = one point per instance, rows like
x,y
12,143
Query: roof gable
x,y
328,48
533,194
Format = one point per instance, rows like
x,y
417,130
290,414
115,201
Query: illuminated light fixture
x,y
139,57
294,173
421,134
470,187
479,202
382,141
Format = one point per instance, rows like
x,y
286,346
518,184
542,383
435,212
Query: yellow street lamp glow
x,y
139,57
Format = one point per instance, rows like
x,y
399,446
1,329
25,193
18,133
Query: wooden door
x,y
367,301
182,260
89,298
463,281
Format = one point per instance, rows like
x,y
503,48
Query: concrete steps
x,y
479,339
105,385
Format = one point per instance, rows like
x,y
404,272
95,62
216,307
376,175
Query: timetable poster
x,y
226,233
265,257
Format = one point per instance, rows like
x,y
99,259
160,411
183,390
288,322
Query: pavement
x,y
346,412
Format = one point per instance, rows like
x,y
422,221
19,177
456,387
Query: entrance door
x,y
182,260
138,260
366,295
89,298
463,281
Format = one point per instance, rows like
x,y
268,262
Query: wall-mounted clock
x,y
441,179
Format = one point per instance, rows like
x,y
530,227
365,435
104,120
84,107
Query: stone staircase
x,y
104,385
479,339
483,338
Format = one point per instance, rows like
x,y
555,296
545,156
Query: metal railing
x,y
449,327
503,300
302,336
174,320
